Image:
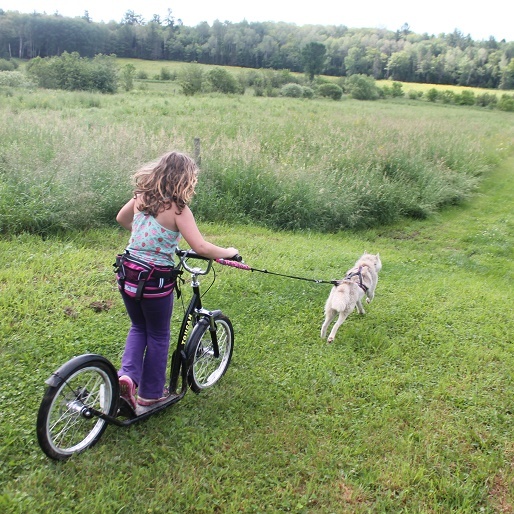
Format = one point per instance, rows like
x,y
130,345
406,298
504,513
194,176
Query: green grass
x,y
279,162
409,410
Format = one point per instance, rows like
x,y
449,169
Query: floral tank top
x,y
151,242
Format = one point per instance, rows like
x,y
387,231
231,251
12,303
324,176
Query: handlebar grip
x,y
237,258
190,253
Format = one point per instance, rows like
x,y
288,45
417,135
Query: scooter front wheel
x,y
66,423
204,369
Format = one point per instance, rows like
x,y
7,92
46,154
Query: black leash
x,y
240,265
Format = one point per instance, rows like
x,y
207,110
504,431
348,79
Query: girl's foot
x,y
128,390
146,402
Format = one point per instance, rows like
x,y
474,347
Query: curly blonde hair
x,y
171,178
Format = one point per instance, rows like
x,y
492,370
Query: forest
x,y
402,55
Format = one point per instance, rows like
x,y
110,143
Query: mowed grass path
x,y
410,410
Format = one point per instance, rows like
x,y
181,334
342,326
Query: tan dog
x,y
359,281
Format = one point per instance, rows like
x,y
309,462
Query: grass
x,y
408,86
279,162
410,410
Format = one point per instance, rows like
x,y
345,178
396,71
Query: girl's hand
x,y
232,252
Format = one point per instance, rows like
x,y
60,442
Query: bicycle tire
x,y
63,427
204,370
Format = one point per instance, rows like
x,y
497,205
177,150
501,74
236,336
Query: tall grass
x,y
66,158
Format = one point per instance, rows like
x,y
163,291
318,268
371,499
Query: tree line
x,y
402,55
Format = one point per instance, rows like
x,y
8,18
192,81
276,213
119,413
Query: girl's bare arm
x,y
186,225
126,215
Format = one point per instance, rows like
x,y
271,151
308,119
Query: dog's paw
x,y
330,340
368,300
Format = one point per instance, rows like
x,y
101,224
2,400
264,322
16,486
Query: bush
x,y
432,94
308,92
487,100
222,81
292,91
165,74
465,98
362,87
74,73
142,75
15,79
415,95
330,90
191,79
447,96
127,76
6,65
397,90
506,103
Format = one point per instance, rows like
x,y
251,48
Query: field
x,y
409,410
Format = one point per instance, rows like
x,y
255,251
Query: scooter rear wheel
x,y
65,423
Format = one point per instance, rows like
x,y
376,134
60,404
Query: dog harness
x,y
357,273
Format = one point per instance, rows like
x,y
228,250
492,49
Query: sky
x,y
431,16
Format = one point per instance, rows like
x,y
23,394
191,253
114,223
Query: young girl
x,y
157,217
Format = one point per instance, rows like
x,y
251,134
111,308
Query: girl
x,y
157,216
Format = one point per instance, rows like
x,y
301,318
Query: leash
x,y
240,265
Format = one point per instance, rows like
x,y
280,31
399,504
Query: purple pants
x,y
146,351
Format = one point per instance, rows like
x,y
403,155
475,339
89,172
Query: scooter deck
x,y
141,412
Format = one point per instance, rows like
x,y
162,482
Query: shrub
x,y
386,91
397,90
432,94
142,75
6,65
362,87
191,78
222,81
330,90
486,100
165,74
465,98
414,95
447,96
15,79
506,103
292,91
308,92
127,76
74,73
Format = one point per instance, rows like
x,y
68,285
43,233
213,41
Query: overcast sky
x,y
432,16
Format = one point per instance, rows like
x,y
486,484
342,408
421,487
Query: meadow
x,y
283,163
409,410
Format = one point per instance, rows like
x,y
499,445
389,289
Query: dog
x,y
348,293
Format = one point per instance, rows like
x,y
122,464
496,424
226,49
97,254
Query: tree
x,y
313,56
357,61
131,18
507,80
400,66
